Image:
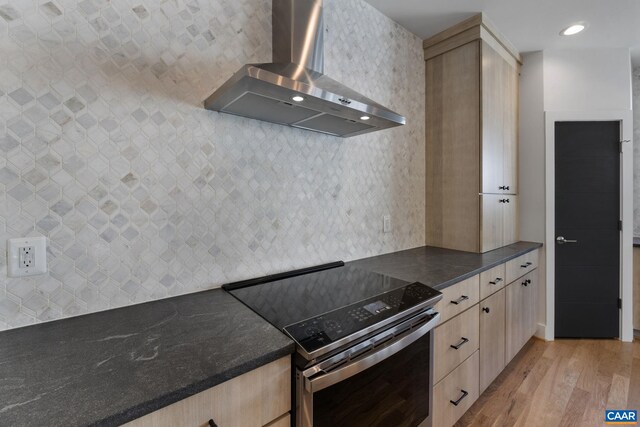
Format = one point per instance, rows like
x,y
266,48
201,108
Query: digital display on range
x,y
322,330
376,307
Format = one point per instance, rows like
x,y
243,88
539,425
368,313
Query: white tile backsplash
x,y
105,148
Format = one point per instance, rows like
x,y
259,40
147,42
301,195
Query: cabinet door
x,y
493,108
521,313
532,299
499,123
510,225
453,148
510,141
255,398
492,338
492,222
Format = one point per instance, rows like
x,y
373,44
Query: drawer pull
x,y
526,265
503,200
496,281
212,423
526,282
459,300
486,310
462,342
457,402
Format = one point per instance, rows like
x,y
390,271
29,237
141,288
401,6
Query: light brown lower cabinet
x,y
492,338
488,333
284,421
261,397
521,315
456,392
458,298
522,265
492,280
455,341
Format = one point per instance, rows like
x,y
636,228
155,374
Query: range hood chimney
x,y
292,90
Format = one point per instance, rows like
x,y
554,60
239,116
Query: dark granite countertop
x,y
111,367
636,241
107,368
440,268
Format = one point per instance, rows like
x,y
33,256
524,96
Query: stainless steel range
x,y
364,343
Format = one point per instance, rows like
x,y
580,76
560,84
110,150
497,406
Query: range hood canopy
x,y
292,90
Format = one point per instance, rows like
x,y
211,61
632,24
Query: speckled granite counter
x,y
108,368
636,242
114,366
438,267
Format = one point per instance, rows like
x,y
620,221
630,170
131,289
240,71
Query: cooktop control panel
x,y
327,328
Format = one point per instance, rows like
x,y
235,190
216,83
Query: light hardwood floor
x,y
561,383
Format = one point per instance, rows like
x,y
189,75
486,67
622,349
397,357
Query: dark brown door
x,y
587,199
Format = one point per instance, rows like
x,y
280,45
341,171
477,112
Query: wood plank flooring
x,y
561,383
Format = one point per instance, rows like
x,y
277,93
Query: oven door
x,y
389,386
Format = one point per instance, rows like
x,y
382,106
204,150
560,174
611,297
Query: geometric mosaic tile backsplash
x,y
105,148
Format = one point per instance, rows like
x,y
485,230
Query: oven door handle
x,y
317,383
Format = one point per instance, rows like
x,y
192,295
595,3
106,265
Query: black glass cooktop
x,y
317,309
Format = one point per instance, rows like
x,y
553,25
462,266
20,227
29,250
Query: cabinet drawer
x,y
459,297
520,266
492,280
255,398
461,387
462,332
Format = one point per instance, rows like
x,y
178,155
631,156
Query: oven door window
x,y
393,393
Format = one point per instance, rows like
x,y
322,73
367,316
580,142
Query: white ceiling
x,y
529,24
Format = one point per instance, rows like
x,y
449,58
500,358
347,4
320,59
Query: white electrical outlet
x,y
386,224
26,256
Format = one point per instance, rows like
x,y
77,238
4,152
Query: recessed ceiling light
x,y
573,29
365,118
297,98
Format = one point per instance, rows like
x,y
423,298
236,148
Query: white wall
x,y
587,79
531,162
636,152
531,153
561,81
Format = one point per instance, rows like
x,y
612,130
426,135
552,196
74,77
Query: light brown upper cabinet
x,y
471,138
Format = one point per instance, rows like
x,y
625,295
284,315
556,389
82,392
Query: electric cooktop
x,y
320,308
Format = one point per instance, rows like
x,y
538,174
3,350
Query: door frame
x,y
625,117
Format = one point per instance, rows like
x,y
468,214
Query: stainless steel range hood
x,y
292,90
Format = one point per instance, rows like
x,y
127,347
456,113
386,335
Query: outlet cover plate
x,y
386,224
37,256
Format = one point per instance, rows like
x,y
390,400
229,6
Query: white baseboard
x,y
541,332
